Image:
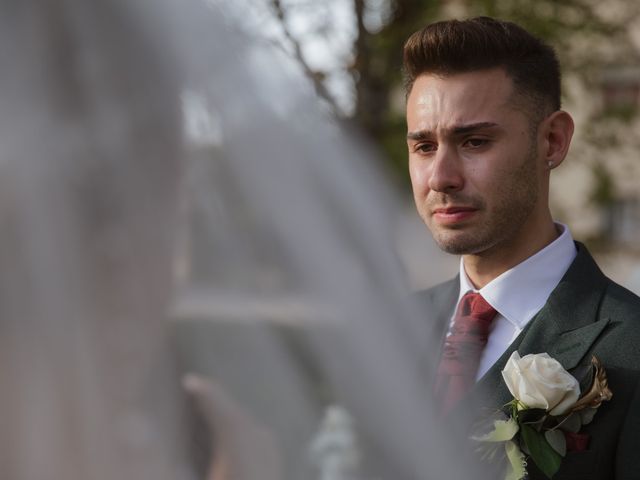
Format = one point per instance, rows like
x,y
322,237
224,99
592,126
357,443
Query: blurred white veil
x,y
175,200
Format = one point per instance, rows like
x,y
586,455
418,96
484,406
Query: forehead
x,y
438,102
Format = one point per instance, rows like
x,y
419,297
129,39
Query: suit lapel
x,y
565,328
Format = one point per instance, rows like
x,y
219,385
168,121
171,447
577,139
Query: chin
x,y
457,243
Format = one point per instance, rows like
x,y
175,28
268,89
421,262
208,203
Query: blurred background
x,y
208,239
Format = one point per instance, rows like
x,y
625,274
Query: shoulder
x,y
619,344
443,292
433,308
621,308
437,303
618,301
585,284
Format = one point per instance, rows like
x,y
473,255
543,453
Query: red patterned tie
x,y
462,350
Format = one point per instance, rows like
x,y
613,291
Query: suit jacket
x,y
586,314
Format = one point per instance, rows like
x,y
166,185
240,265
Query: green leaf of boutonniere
x,y
572,423
544,456
586,415
556,440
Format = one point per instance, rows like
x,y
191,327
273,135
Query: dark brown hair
x,y
458,46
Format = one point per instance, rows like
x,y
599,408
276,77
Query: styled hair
x,y
481,43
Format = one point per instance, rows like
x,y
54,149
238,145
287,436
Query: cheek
x,y
509,185
483,179
494,174
419,175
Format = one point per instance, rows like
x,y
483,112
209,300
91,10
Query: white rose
x,y
539,381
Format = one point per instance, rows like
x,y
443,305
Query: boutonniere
x,y
544,419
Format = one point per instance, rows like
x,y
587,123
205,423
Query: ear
x,y
557,131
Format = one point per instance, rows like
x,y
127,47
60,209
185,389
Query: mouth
x,y
453,214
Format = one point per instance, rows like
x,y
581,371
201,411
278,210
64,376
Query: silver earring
x,y
550,164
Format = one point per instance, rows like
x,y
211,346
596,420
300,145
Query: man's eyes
x,y
425,147
472,143
475,142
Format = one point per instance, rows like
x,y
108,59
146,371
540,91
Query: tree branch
x,y
315,77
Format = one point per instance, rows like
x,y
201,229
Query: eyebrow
x,y
457,130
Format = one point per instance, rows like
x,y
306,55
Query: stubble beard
x,y
510,211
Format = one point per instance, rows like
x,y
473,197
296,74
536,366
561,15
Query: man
x,y
485,130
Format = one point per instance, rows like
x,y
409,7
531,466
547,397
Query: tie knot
x,y
475,306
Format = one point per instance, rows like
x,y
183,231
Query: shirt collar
x,y
520,292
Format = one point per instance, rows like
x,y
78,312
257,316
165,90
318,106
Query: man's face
x,y
473,161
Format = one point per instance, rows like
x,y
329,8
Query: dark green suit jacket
x,y
586,314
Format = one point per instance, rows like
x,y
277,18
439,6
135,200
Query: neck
x,y
483,267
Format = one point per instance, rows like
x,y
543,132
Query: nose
x,y
446,173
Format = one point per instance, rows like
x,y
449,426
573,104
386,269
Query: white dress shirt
x,y
520,292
